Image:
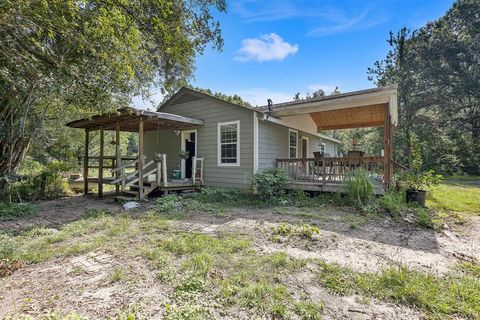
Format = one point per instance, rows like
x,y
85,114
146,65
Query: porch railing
x,y
330,169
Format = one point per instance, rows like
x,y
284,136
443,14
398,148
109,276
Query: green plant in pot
x,y
417,179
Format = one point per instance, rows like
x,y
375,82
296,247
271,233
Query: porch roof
x,y
128,119
365,108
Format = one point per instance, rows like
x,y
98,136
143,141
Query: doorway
x,y
189,145
305,150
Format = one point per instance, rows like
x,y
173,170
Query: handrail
x,y
126,165
194,169
366,159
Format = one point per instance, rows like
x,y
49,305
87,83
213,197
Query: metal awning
x,y
128,119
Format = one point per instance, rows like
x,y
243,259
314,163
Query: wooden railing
x,y
330,169
197,171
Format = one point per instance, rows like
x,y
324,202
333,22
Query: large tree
x,y
63,57
437,69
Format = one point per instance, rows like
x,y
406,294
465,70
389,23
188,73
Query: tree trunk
x,y
12,154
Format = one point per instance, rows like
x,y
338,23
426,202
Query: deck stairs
x,y
154,177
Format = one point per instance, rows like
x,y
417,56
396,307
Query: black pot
x,y
417,196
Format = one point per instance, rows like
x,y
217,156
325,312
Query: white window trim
x,y
219,148
296,144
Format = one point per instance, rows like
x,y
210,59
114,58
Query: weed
x,y
116,274
200,264
9,211
308,310
269,183
268,298
360,186
423,218
186,312
306,231
469,268
283,229
191,284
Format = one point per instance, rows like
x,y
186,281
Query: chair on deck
x,y
356,162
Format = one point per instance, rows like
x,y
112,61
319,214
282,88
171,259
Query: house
x,y
197,139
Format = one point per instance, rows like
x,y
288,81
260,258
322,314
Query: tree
x,y
235,98
61,57
437,71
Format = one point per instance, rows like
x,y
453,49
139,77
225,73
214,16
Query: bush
x,y
15,210
360,187
37,181
269,183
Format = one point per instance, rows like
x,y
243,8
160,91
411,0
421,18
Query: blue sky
x,y
274,49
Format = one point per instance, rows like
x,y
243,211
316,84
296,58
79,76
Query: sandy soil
x,y
82,283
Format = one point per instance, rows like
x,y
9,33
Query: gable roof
x,y
186,94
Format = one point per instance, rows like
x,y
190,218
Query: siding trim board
x,y
255,142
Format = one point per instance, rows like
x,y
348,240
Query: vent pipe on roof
x,y
270,107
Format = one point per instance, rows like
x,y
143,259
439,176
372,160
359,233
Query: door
x,y
304,147
189,145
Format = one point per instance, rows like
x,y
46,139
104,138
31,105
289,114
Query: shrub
x,y
423,218
269,183
14,210
37,181
360,186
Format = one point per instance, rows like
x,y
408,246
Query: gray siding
x,y
211,112
163,141
273,143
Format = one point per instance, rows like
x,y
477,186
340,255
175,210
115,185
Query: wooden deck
x,y
329,174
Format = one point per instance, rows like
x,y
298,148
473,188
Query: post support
x,y
85,162
140,159
100,163
387,148
118,160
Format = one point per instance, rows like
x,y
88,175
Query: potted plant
x,y
417,183
417,179
184,154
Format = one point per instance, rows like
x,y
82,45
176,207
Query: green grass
x,y
450,295
16,210
459,197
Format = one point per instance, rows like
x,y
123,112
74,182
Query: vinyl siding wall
x,y
273,143
211,112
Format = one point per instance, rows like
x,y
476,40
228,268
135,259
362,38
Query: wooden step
x,y
124,198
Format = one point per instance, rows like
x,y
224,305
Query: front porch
x,y
134,177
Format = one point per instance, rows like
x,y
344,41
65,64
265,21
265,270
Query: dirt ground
x,y
80,283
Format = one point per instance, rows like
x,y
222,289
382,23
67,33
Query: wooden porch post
x,y
100,164
140,159
85,163
387,147
118,160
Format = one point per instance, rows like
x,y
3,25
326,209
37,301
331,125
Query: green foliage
x,y
416,177
423,218
308,310
360,186
437,296
65,58
10,211
269,183
235,99
436,101
303,230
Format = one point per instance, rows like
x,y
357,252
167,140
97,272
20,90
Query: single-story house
x,y
197,139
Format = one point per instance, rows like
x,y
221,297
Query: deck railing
x,y
330,169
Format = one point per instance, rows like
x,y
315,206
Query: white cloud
x,y
267,47
325,87
259,96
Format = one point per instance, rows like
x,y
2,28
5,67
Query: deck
x,y
329,174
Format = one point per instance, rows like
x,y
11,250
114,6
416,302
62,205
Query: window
x,y
229,143
322,148
292,143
